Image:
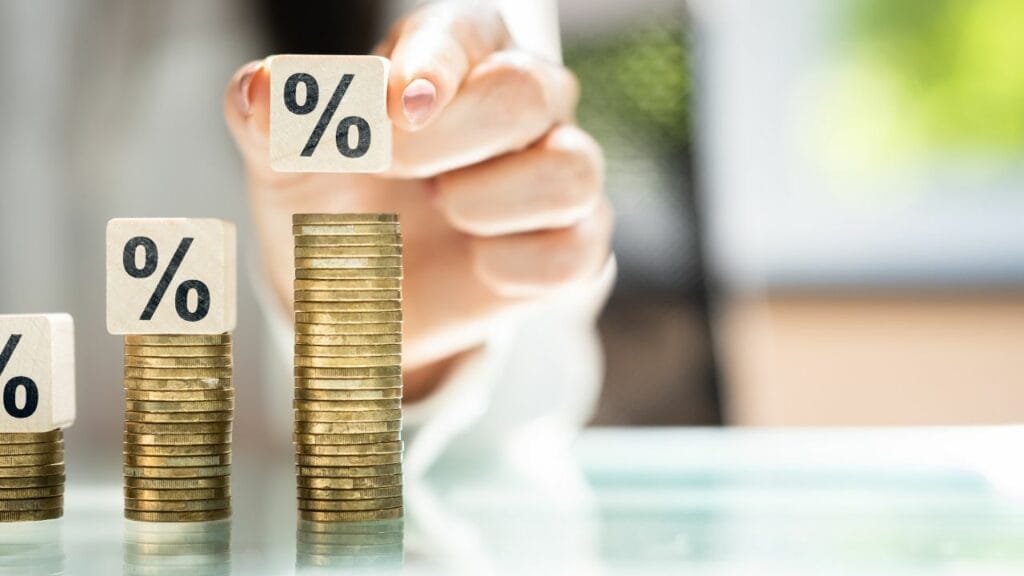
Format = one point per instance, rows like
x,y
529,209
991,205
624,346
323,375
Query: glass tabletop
x,y
624,501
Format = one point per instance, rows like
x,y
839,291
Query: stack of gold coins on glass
x,y
31,476
179,403
348,374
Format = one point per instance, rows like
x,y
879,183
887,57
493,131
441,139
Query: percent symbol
x,y
362,127
149,267
11,388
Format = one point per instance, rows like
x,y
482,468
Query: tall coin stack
x,y
179,403
348,375
31,476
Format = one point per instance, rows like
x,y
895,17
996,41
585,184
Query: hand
x,y
500,195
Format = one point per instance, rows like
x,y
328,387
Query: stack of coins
x,y
348,375
369,547
179,404
31,476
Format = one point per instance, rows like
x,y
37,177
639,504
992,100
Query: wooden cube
x,y
171,276
329,114
37,372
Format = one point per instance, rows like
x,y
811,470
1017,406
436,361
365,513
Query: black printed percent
x,y
31,402
151,257
291,101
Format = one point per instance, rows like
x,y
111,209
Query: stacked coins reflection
x,y
178,411
202,549
372,547
348,375
31,476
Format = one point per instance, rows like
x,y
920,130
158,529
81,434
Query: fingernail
x,y
418,101
244,81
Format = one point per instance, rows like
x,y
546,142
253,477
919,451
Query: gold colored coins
x,y
364,494
177,439
350,449
347,405
31,504
183,472
179,395
348,460
350,471
377,306
31,476
303,427
171,495
340,240
303,394
31,515
356,483
178,483
351,505
179,417
178,340
177,385
347,439
176,505
199,516
315,219
354,383
355,516
177,461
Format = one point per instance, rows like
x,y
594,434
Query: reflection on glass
x,y
32,548
169,549
362,547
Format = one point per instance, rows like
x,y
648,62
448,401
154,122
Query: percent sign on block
x,y
37,372
171,276
329,114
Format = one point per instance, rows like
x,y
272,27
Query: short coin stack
x,y
31,476
179,403
348,375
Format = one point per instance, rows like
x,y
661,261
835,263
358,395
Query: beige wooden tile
x,y
306,137
37,372
145,295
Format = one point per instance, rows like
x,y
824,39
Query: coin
x,y
176,505
177,385
180,395
200,406
32,515
393,239
178,439
348,263
33,448
30,437
187,450
345,229
166,428
346,405
346,384
177,461
346,251
348,317
388,328
25,493
55,457
346,273
175,495
177,483
40,470
347,439
32,481
352,460
298,219
179,417
347,395
178,351
336,516
347,295
347,361
200,516
348,306
359,416
176,373
358,483
348,351
177,340
365,494
350,471
348,339
304,427
305,373
349,449
178,361
184,472
350,505
31,504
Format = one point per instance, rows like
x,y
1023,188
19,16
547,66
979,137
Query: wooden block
x,y
329,114
171,276
37,372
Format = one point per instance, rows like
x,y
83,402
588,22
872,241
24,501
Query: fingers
x,y
506,103
553,184
431,53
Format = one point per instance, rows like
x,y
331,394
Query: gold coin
x,y
349,471
359,483
178,351
177,340
379,528
365,494
184,472
32,515
176,505
31,504
346,384
178,439
349,450
348,339
346,273
354,460
174,495
177,385
347,395
347,439
347,295
328,263
177,461
54,457
334,229
390,328
176,373
180,395
178,361
190,450
347,361
200,406
352,218
178,483
31,493
346,405
33,448
302,427
306,373
32,481
30,437
349,284
348,351
346,251
201,516
348,317
349,306
360,416
350,505
39,470
190,428
335,516
179,417
394,239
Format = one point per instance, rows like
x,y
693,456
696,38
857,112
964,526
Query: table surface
x,y
628,501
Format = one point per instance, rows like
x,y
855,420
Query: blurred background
x,y
820,207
